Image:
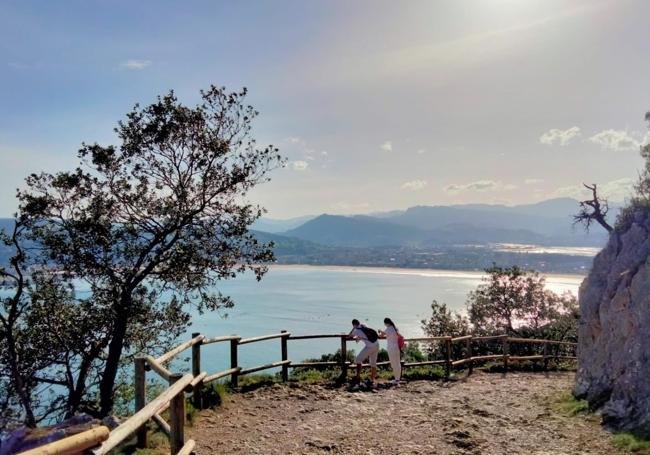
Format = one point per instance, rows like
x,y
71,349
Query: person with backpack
x,y
394,346
370,351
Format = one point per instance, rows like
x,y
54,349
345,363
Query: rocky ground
x,y
484,414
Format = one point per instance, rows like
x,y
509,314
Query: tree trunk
x,y
106,399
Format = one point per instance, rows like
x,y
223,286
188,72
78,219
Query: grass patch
x,y
567,405
631,443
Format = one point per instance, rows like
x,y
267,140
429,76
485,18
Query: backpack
x,y
400,342
371,334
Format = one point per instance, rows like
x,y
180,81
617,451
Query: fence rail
x,y
173,397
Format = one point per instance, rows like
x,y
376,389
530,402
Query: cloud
x,y
294,140
414,185
299,165
479,185
615,190
387,146
560,137
351,206
421,151
617,140
533,181
134,64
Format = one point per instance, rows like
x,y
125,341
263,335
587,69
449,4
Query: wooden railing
x,y
173,398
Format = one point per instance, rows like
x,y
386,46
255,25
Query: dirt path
x,y
485,414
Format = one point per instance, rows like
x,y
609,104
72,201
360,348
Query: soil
x,y
487,413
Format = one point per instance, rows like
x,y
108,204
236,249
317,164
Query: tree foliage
x,y
150,227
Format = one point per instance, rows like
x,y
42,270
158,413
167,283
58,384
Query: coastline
x,y
409,271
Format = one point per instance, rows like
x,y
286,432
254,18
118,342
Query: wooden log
x,y
188,448
463,338
140,392
197,387
158,368
506,350
488,338
461,362
264,367
285,357
180,348
128,427
538,341
162,424
197,382
263,337
526,357
176,418
344,356
72,445
311,337
426,362
468,353
315,364
486,357
221,374
427,339
447,358
233,362
220,339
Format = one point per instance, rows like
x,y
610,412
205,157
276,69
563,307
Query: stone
x,y
614,330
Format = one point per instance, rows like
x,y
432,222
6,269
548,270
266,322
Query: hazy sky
x,y
378,105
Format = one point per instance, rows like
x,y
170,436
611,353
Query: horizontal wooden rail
x,y
198,379
463,338
158,368
525,357
221,374
128,427
220,339
487,357
264,337
488,338
315,364
538,341
265,367
180,348
311,337
461,361
427,339
77,443
423,363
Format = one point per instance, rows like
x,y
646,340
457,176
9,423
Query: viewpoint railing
x,y
173,397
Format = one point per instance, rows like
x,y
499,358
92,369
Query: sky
x,y
377,105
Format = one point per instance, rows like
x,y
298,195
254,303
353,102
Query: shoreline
x,y
408,271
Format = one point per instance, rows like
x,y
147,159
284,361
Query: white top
x,y
391,337
357,332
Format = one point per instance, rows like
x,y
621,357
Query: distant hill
x,y
274,226
546,223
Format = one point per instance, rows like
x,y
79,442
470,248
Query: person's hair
x,y
355,322
389,321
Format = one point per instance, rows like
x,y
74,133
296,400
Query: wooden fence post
x,y
233,361
196,370
177,418
545,356
447,357
505,353
140,390
344,357
285,356
468,346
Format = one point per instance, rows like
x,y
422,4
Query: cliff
x,y
614,330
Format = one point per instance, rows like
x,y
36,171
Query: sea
x,y
319,300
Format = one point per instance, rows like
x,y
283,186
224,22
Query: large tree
x,y
153,224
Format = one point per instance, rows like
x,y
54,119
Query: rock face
x,y
614,331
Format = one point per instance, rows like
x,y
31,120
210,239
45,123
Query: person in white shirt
x,y
394,353
371,349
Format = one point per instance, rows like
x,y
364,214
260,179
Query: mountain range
x,y
545,223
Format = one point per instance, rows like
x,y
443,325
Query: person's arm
x,y
382,334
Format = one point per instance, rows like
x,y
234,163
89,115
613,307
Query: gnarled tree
x,y
593,210
153,225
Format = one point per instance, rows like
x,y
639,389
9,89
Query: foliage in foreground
x,y
150,227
